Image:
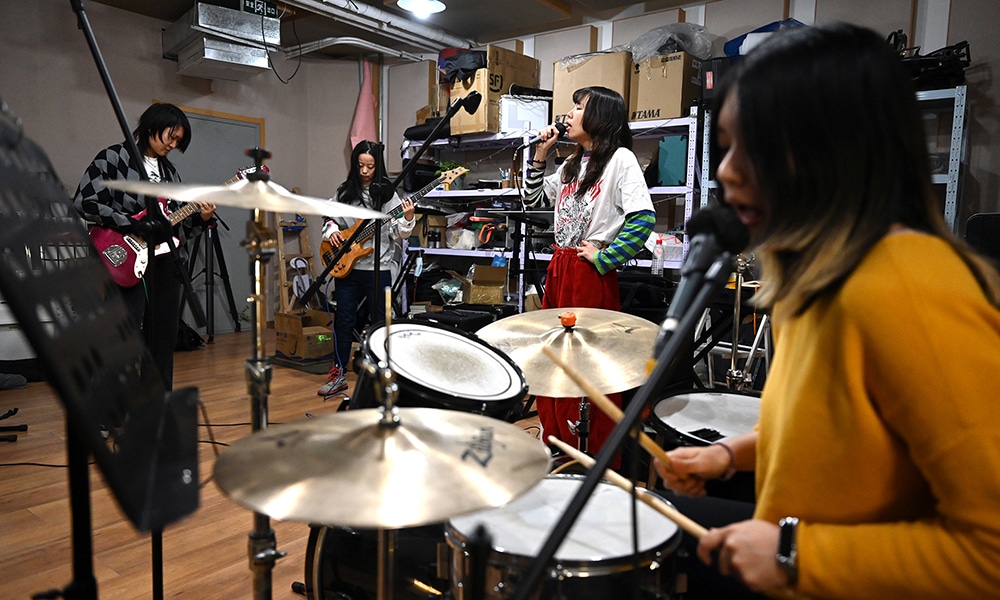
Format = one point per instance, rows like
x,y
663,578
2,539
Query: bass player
x,y
354,287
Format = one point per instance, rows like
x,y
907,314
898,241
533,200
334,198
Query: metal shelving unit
x,y
488,141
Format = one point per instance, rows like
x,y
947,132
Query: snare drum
x,y
439,366
592,562
700,418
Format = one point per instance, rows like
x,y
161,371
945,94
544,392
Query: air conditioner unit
x,y
213,42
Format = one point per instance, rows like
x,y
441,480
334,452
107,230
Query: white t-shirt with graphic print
x,y
598,216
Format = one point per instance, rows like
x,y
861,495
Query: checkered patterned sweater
x,y
99,205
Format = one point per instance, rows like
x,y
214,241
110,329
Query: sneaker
x,y
336,382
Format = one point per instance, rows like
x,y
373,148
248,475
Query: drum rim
x,y
565,567
517,390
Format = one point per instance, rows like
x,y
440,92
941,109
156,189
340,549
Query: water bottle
x,y
657,267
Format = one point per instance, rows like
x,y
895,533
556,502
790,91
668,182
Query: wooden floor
x,y
205,555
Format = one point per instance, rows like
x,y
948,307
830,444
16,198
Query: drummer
x,y
877,452
162,128
603,216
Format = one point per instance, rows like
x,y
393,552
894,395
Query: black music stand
x,y
73,315
213,248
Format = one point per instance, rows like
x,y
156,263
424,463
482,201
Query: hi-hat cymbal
x,y
611,347
347,469
263,195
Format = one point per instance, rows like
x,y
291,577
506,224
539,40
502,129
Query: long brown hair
x,y
605,119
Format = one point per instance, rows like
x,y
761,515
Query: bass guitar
x,y
357,250
126,255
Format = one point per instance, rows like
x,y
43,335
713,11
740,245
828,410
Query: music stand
x,y
73,315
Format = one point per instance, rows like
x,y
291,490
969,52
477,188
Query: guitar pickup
x,y
136,244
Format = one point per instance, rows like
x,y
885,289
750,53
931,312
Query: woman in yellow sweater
x,y
877,454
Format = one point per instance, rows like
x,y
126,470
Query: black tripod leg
x,y
224,273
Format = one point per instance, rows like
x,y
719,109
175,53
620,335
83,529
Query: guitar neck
x,y
182,213
369,229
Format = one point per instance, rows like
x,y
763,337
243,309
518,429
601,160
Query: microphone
x,y
716,233
560,127
471,102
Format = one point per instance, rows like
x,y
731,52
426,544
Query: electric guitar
x,y
357,250
126,255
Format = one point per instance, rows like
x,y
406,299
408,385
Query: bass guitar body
x,y
356,252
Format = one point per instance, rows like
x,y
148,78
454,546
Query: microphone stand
x,y
677,342
152,212
470,103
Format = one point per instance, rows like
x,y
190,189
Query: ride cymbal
x,y
263,195
609,346
348,469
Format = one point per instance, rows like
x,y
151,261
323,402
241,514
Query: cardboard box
x,y
664,87
303,336
523,113
485,287
607,69
503,68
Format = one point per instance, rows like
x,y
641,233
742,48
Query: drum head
x,y
453,365
601,534
702,418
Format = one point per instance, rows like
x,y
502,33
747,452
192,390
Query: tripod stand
x,y
213,248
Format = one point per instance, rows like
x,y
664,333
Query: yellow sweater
x,y
880,430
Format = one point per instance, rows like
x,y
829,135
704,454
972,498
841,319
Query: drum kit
x,y
425,456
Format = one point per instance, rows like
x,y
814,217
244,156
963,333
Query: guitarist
x,y
161,129
352,289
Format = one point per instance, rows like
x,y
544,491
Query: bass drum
x,y
701,418
596,561
439,366
342,563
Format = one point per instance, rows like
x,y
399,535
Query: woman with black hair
x,y
355,287
162,128
877,452
603,216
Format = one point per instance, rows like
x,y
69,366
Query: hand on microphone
x,y
551,132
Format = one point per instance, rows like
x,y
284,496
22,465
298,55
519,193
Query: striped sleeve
x,y
534,180
636,230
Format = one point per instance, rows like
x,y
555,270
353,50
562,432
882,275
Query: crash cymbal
x,y
347,469
263,195
611,347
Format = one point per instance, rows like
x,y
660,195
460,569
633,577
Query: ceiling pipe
x,y
295,51
383,23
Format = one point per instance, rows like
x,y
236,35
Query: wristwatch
x,y
787,555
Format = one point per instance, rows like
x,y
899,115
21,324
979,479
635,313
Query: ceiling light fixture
x,y
421,8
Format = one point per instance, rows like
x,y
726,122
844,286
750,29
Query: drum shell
x,y
578,578
440,366
342,563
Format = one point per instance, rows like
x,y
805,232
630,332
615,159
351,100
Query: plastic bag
x,y
675,37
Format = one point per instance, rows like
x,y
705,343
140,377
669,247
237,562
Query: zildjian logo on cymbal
x,y
480,448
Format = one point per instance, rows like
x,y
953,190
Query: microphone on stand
x,y
716,234
560,127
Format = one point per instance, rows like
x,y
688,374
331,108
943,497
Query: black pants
x,y
155,303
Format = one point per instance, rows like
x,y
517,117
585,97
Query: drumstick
x,y
607,406
656,503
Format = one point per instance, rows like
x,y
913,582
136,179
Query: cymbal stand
x,y
261,244
581,429
737,379
387,390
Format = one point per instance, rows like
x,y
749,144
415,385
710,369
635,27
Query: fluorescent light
x,y
421,8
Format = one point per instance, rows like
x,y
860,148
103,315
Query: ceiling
x,y
319,27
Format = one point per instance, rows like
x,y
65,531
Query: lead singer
x,y
603,216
